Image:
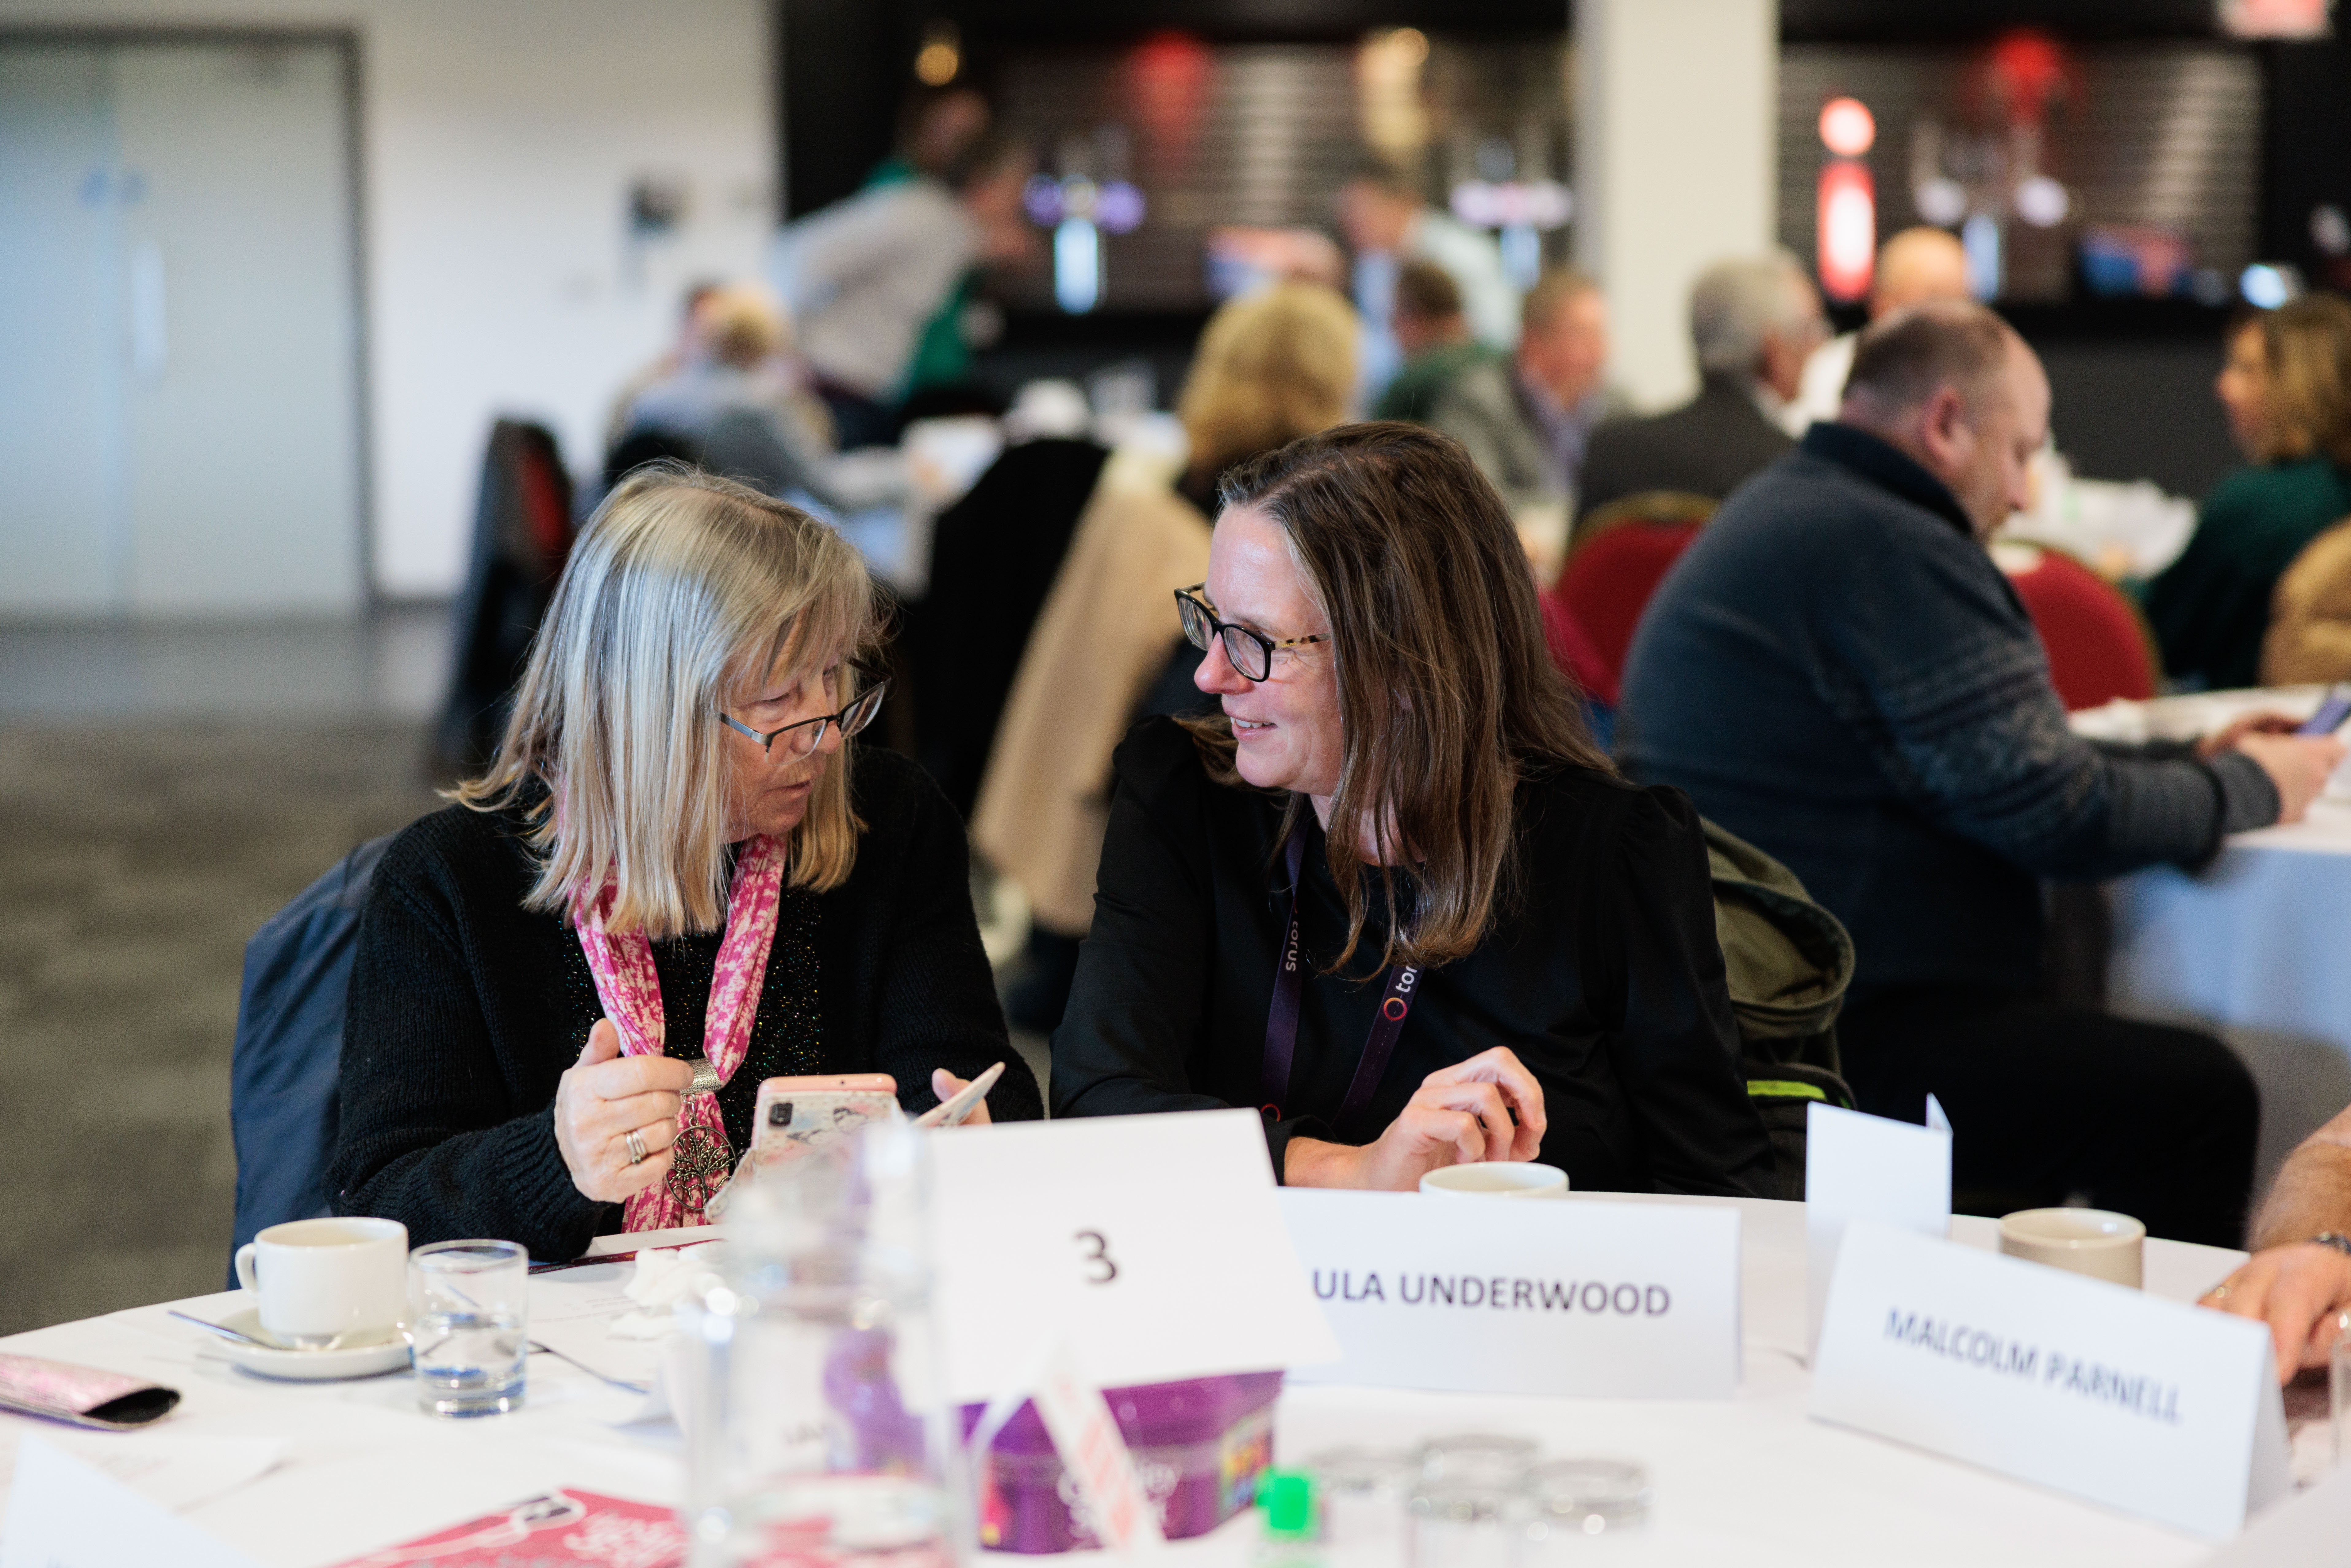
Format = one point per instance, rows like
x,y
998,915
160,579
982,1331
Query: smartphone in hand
x,y
797,1116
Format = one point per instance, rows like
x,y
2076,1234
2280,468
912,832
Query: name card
x,y
2143,1404
1571,1297
65,1514
1858,1166
1152,1243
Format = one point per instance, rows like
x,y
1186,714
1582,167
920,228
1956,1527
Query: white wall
x,y
499,139
1676,111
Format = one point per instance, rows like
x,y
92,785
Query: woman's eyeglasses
x,y
804,736
1252,653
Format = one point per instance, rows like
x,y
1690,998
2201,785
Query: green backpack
x,y
1788,962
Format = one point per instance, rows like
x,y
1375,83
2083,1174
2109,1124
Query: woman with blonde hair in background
x,y
679,876
2287,390
1271,366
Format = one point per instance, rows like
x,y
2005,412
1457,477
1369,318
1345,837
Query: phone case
x,y
796,1116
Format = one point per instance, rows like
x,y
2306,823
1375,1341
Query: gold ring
x,y
635,1140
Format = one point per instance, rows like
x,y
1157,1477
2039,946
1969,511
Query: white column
x,y
1677,103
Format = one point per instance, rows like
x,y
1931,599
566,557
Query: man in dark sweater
x,y
1837,672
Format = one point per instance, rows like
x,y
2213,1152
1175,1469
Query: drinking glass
x,y
1478,1456
1364,1492
1462,1522
468,1325
817,1430
2338,1386
1567,1501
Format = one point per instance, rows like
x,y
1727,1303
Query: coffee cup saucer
x,y
308,1366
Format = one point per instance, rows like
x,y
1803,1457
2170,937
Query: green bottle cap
x,y
1288,1498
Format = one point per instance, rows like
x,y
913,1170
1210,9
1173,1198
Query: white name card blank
x,y
66,1514
1859,1166
1573,1298
1152,1242
2125,1399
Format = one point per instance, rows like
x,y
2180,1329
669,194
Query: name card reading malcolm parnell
x,y
2113,1395
1481,1295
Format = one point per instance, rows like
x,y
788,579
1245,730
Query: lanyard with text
x,y
1281,1017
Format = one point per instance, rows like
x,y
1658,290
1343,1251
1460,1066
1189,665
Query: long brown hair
x,y
2307,343
1447,695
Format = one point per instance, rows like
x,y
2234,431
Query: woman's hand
x,y
1460,1115
2301,1290
605,1096
947,1086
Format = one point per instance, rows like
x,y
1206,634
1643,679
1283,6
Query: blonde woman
x,y
2287,391
680,876
1272,366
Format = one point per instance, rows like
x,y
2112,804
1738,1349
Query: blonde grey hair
x,y
1736,304
683,589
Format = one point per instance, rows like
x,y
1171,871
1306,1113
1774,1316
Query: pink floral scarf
x,y
630,992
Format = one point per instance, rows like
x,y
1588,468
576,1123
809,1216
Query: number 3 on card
x,y
1097,1257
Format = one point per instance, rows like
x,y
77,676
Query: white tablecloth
x,y
2257,945
1751,1481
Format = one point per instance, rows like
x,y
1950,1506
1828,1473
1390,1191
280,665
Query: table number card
x,y
1859,1166
1152,1242
2141,1403
1475,1295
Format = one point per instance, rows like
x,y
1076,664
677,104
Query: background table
x,y
1750,1480
2256,946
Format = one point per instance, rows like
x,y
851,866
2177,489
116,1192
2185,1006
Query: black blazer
x,y
1706,447
1602,974
465,1009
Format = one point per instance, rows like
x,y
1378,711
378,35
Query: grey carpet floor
x,y
134,862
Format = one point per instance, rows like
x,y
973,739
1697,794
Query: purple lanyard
x,y
1281,1017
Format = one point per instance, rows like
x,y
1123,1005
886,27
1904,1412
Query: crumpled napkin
x,y
664,1276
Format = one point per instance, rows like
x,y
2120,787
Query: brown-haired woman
x,y
2287,390
1393,895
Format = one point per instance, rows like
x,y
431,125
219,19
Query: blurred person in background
x,y
732,403
1527,419
1837,672
1271,366
1435,338
1397,780
681,875
1388,223
1753,322
1916,265
663,365
2287,390
866,277
936,129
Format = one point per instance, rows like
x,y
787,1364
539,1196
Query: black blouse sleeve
x,y
429,1134
1140,999
935,996
1674,1044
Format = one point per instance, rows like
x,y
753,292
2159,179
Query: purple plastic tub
x,y
1199,1445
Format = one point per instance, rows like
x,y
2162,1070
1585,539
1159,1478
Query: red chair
x,y
1571,650
1620,553
2098,643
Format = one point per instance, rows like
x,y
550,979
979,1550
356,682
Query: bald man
x,y
1914,267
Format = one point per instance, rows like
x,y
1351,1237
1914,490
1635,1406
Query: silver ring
x,y
636,1143
2217,1293
706,1076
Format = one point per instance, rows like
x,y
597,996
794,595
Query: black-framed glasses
x,y
806,734
1250,651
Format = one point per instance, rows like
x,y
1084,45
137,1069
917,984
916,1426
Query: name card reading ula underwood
x,y
2126,1399
1575,1297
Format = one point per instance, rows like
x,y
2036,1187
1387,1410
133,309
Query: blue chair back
x,y
289,1048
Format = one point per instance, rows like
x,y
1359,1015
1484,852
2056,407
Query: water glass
x,y
1486,1457
468,1325
2338,1386
1365,1494
1463,1522
1568,1501
817,1431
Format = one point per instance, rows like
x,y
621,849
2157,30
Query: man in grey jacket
x,y
1837,672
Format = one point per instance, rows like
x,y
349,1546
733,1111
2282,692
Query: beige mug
x,y
1497,1179
2094,1241
320,1277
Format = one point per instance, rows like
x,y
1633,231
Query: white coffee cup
x,y
2094,1241
1497,1179
320,1277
